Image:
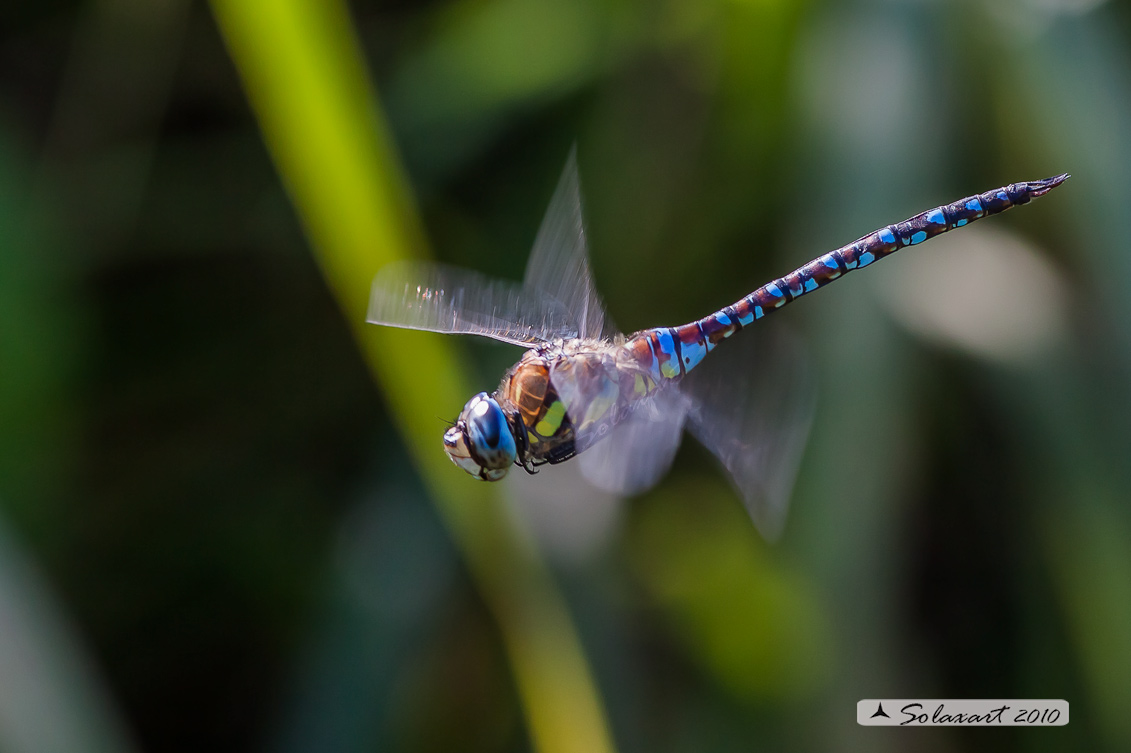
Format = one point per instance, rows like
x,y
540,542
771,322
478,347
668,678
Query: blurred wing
x,y
639,450
559,261
752,403
438,298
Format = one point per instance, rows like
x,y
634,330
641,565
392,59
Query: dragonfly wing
x,y
752,405
559,261
639,450
439,298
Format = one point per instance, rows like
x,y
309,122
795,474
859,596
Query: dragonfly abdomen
x,y
667,353
671,352
884,242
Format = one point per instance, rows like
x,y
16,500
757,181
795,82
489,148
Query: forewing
x,y
639,450
752,403
439,298
559,261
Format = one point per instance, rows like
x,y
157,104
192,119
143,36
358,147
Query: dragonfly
x,y
620,403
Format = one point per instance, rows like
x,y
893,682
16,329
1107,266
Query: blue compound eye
x,y
490,440
486,422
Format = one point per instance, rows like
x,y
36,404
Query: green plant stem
x,y
303,74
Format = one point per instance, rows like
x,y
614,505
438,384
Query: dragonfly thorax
x,y
565,395
481,442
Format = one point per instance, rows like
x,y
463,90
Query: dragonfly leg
x,y
522,442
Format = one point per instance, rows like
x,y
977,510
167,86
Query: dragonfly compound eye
x,y
489,439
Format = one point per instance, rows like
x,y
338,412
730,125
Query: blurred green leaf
x,y
755,625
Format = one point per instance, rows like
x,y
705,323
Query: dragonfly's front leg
x,y
522,442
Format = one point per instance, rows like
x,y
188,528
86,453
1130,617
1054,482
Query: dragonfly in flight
x,y
621,402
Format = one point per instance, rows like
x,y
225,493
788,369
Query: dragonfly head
x,y
481,442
